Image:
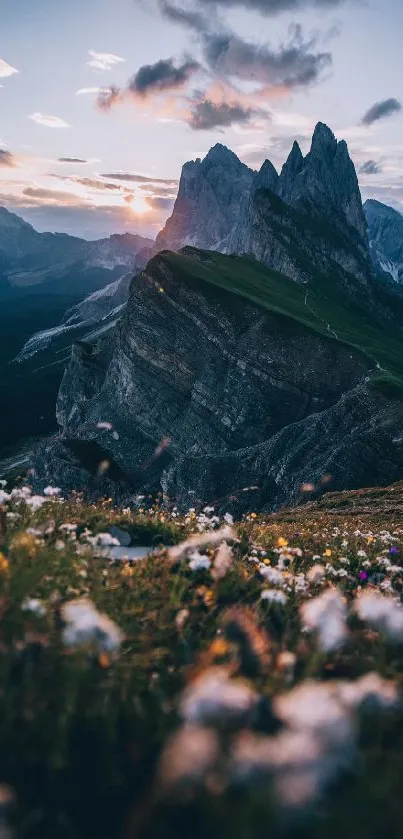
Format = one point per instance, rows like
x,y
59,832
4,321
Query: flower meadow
x,y
166,675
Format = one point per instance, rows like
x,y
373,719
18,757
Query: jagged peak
x,y
220,153
323,139
294,160
266,177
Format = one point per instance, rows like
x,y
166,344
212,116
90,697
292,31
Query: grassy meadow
x,y
165,677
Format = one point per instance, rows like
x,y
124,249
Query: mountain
x,y
309,219
233,378
30,380
222,385
209,198
385,230
55,263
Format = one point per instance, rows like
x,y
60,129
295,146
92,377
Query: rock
x,y
217,401
208,202
310,218
385,229
123,535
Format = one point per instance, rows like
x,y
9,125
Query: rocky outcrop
x,y
209,398
208,202
310,218
385,229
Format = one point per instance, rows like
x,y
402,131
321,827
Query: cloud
x,y
158,203
381,110
51,195
265,7
138,179
207,115
103,60
85,91
108,97
6,70
192,19
370,167
7,159
89,183
71,160
160,191
295,63
161,76
49,121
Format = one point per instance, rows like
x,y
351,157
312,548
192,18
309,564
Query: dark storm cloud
x,y
207,115
381,110
186,17
265,7
295,63
161,76
138,179
72,160
7,159
370,167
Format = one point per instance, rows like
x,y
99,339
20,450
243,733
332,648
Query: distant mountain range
x,y
42,276
234,377
55,263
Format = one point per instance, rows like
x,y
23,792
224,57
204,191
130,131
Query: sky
x,y
102,101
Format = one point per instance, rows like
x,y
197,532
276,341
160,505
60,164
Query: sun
x,y
139,205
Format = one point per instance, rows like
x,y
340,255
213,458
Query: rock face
x,y
385,229
308,219
209,398
208,202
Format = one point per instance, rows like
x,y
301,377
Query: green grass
x,y
81,735
316,307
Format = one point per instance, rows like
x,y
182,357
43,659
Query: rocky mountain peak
x,y
221,155
323,140
267,177
292,166
210,194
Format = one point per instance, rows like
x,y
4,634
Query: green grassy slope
x,y
314,307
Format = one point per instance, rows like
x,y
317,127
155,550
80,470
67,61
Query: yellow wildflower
x,y
219,647
3,564
281,542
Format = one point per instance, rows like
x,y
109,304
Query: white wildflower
x,y
383,613
327,615
229,519
86,626
51,492
215,699
222,562
203,540
35,606
4,497
274,596
35,501
199,562
68,527
271,575
316,574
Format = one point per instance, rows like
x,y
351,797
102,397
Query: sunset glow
x,y
139,205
